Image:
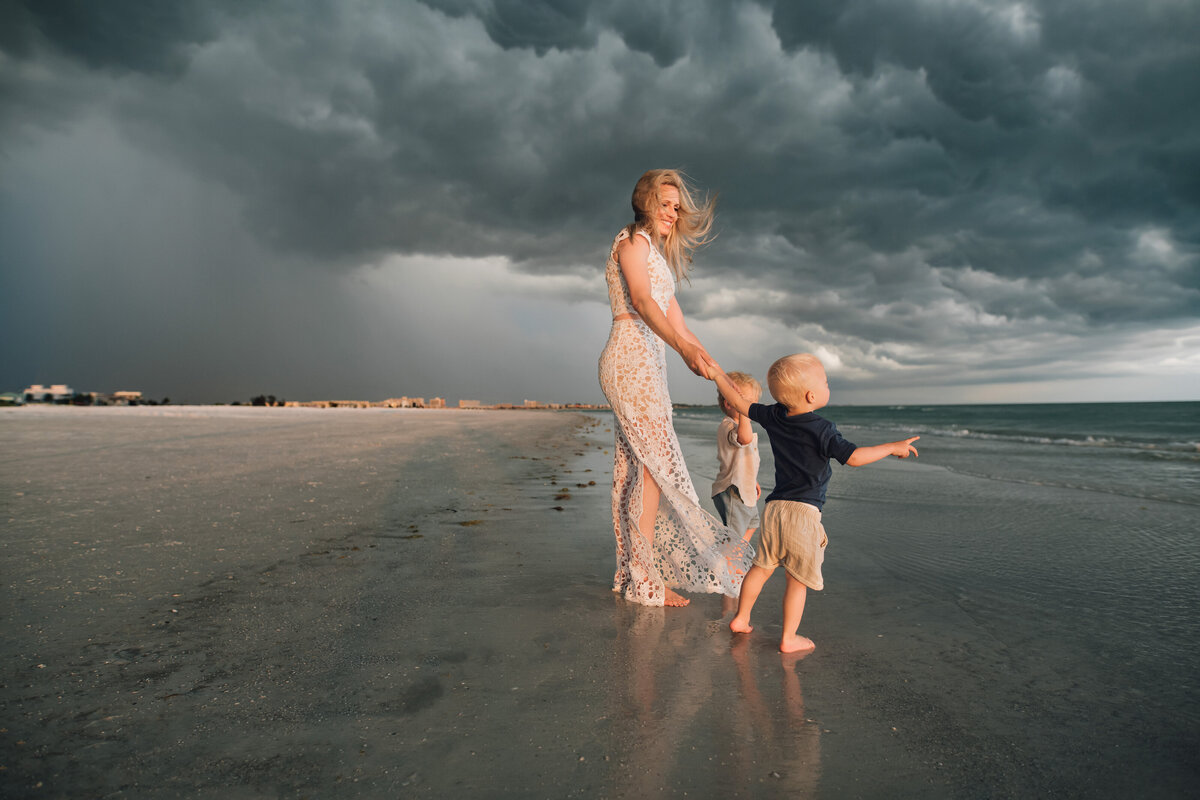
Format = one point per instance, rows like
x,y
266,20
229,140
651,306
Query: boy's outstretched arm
x,y
869,455
733,398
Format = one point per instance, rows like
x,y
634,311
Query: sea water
x,y
1135,450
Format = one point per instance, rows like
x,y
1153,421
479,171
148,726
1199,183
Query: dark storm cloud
x,y
650,28
940,174
1066,85
119,35
542,26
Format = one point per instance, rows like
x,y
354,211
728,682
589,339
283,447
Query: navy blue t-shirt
x,y
802,446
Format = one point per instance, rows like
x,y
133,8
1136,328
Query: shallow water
x,y
1049,552
1054,524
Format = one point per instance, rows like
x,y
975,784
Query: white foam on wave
x,y
1063,441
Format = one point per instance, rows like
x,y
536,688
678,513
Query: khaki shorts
x,y
792,535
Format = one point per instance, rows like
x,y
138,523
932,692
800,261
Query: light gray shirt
x,y
737,463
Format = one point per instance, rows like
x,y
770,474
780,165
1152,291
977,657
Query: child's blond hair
x,y
791,376
745,383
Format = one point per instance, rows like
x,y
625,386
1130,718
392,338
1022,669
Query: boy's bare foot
x,y
796,644
674,599
738,625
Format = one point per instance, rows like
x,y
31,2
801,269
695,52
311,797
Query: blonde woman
x,y
665,541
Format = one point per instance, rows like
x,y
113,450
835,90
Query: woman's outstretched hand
x,y
697,359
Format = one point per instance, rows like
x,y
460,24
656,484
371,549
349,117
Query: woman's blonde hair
x,y
690,231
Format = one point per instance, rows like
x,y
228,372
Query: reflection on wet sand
x,y
672,732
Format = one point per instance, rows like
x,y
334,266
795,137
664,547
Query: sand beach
x,y
255,602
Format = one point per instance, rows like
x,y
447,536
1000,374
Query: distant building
x,y
434,402
404,402
126,398
55,393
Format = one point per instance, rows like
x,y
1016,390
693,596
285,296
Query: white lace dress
x,y
693,551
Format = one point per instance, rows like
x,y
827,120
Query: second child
x,y
735,491
802,444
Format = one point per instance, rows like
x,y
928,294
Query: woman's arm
x,y
633,257
675,317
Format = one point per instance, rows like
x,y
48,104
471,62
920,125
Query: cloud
x,y
904,185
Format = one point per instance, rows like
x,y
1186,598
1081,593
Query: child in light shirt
x,y
735,491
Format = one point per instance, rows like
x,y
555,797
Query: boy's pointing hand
x,y
904,448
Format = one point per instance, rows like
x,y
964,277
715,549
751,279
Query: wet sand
x,y
245,603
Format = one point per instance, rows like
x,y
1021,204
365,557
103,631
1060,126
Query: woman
x,y
665,541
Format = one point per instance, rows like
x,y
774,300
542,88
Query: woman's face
x,y
668,209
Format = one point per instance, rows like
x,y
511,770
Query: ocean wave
x,y
1182,448
1164,435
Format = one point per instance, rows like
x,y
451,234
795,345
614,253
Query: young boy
x,y
735,491
802,444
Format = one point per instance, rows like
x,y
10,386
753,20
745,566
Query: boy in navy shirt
x,y
802,444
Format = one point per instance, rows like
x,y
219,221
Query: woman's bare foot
x,y
739,625
796,644
674,599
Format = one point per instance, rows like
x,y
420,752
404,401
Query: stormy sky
x,y
947,200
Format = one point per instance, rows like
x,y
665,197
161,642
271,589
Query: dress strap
x,y
624,234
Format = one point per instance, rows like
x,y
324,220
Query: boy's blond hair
x,y
791,376
745,383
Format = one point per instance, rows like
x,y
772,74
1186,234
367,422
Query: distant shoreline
x,y
329,404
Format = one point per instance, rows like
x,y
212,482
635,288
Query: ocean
x,y
1135,450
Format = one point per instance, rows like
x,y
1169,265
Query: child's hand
x,y
869,455
711,367
905,448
